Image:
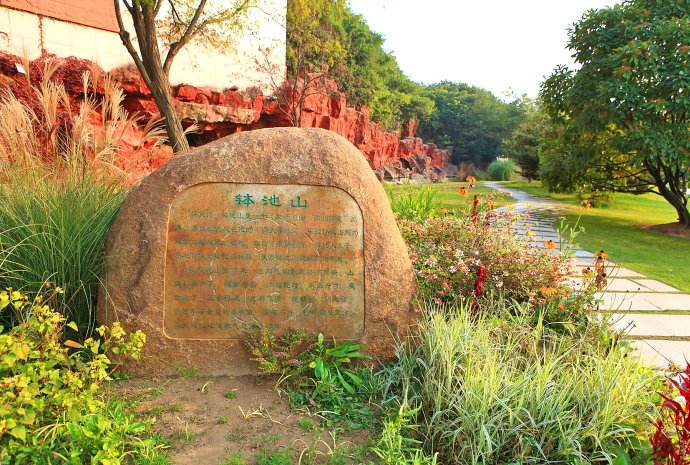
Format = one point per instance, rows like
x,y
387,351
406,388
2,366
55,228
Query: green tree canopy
x,y
524,143
626,109
471,120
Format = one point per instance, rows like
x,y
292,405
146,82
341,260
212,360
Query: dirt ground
x,y
235,421
672,229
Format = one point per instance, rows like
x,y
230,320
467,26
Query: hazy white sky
x,y
495,44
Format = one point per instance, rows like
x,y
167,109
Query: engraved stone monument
x,y
286,228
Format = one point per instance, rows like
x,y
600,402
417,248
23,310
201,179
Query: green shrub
x,y
501,169
396,445
51,407
415,203
54,232
496,389
233,458
278,457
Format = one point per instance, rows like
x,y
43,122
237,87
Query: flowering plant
x,y
671,438
459,257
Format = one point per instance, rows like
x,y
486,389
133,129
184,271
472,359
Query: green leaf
x,y
19,432
355,379
319,369
348,387
622,457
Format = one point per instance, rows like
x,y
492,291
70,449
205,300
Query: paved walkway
x,y
654,316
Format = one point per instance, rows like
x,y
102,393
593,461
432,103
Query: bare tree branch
x,y
157,8
126,40
186,37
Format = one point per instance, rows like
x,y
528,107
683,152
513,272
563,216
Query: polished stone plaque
x,y
281,256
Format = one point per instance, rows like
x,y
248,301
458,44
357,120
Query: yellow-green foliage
x,y
51,410
494,389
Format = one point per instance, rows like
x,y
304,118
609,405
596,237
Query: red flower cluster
x,y
671,439
482,275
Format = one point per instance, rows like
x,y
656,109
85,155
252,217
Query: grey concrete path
x,y
654,316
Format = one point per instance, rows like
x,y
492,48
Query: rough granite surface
x,y
132,290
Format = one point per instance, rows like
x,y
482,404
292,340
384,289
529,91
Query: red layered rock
x,y
217,113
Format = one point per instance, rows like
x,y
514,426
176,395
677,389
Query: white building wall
x,y
198,65
20,33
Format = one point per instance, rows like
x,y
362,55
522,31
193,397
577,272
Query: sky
x,y
501,45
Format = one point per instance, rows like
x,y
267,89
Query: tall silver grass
x,y
60,188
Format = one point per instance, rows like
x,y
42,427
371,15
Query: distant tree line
x,y
326,36
471,120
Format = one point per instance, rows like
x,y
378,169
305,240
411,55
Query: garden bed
x,y
235,420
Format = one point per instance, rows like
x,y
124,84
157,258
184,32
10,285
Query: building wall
x,y
29,33
95,13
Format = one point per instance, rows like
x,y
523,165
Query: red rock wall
x,y
220,113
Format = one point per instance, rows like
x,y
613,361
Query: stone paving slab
x,y
626,285
612,269
523,228
628,273
638,299
531,232
656,286
540,237
660,353
620,301
653,325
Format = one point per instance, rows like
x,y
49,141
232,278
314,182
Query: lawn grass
x,y
448,196
619,227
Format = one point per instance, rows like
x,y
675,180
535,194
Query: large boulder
x,y
284,227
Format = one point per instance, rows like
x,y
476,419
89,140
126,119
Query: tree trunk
x,y
160,88
679,202
149,64
173,125
683,215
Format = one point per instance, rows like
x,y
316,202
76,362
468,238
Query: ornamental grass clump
x,y
415,204
493,388
59,188
502,169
